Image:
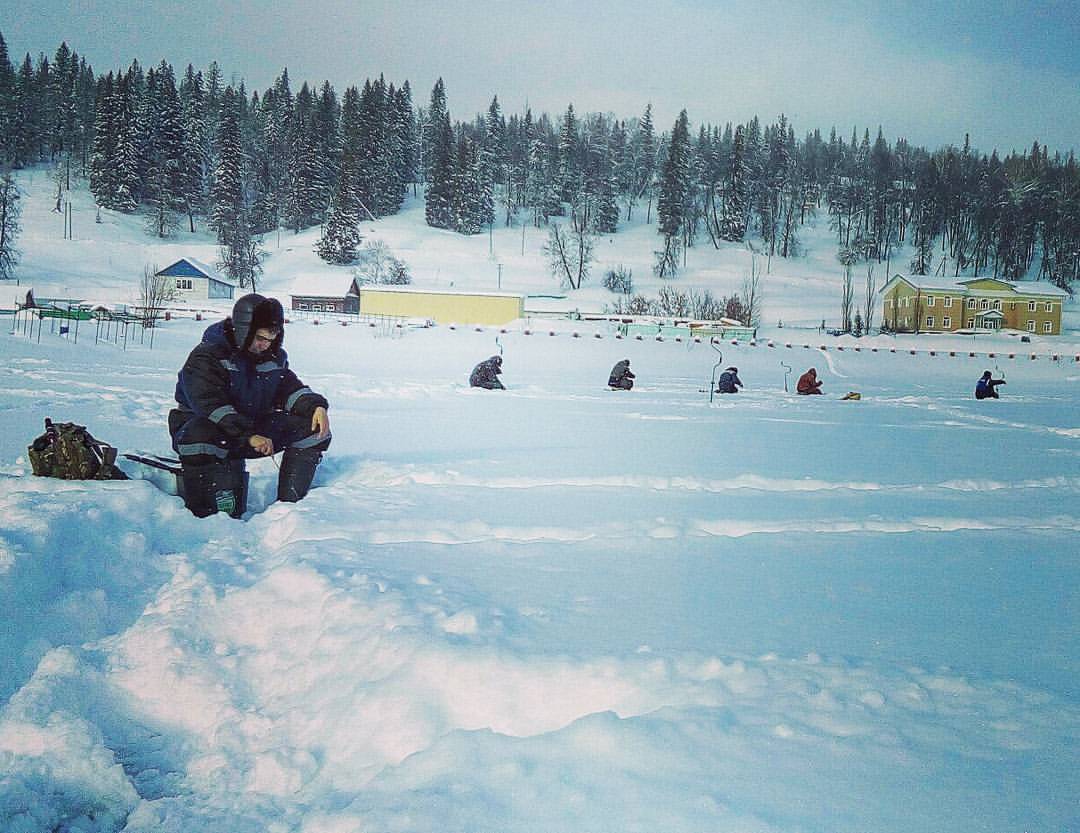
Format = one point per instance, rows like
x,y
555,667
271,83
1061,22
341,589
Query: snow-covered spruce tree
x,y
404,141
518,136
389,186
227,193
467,204
368,159
128,155
7,106
278,133
536,177
341,235
327,129
61,93
261,179
671,204
431,138
493,163
102,153
622,172
304,187
397,274
882,174
195,169
9,224
567,169
26,127
619,280
437,210
165,182
606,215
601,182
643,150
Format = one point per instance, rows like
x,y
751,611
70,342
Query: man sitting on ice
x,y
237,399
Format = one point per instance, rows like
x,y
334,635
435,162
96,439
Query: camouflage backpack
x,y
68,451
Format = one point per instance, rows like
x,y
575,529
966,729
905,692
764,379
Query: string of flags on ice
x,y
771,343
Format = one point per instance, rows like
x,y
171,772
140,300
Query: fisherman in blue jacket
x,y
729,381
986,387
237,399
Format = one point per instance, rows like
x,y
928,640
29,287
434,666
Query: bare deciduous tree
x,y
750,296
705,306
848,257
667,260
871,292
569,254
673,302
155,291
375,260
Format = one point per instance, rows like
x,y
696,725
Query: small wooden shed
x,y
325,293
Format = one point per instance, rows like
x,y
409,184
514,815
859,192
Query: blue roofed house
x,y
194,280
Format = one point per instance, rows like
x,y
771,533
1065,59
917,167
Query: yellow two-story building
x,y
926,304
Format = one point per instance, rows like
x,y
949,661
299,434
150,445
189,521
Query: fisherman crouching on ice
x,y
237,399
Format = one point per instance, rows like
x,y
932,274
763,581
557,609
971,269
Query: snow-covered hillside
x,y
551,608
105,261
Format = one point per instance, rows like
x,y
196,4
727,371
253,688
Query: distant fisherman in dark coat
x,y
237,399
808,383
486,374
621,378
986,387
729,381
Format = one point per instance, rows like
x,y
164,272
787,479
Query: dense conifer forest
x,y
189,148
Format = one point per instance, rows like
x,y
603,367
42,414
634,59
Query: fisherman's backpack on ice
x,y
70,452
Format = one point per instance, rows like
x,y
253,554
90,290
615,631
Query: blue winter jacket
x,y
232,387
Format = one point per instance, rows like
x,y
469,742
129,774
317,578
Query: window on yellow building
x,y
1049,306
971,303
929,321
984,303
1031,326
946,322
1031,306
929,300
946,301
1048,326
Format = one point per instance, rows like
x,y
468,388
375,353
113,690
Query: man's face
x,y
263,338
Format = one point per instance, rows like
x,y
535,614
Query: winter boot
x,y
297,471
217,487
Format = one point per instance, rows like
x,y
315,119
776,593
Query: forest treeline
x,y
180,150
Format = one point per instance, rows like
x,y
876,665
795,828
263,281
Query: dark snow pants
x,y
199,442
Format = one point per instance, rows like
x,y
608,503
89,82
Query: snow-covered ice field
x,y
556,607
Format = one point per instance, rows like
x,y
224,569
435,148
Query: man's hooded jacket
x,y
232,387
486,374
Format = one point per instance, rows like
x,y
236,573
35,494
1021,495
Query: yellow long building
x,y
925,304
442,307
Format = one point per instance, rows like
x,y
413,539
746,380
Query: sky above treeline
x,y
1007,73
